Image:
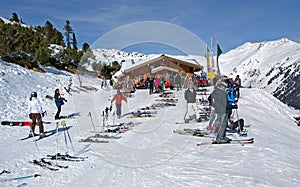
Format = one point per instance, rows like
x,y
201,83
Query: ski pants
x,y
151,90
191,107
58,112
238,124
37,119
118,106
222,130
213,117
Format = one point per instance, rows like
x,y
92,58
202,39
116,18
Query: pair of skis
x,y
50,165
235,141
20,178
46,134
66,157
47,164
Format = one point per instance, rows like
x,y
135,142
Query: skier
x,y
213,115
35,114
178,82
118,97
238,83
238,124
219,101
70,84
151,85
190,97
157,84
59,101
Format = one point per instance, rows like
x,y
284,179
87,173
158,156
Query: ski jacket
x,y
237,81
190,95
157,81
34,106
59,101
177,79
218,100
119,98
230,96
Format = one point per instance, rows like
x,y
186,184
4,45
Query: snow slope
x,y
273,66
150,154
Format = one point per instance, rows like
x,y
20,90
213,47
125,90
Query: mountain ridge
x,y
270,65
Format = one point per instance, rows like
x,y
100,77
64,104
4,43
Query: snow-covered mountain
x,y
272,65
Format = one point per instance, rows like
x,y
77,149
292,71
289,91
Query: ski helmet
x,y
33,94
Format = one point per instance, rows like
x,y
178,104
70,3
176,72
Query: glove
x,y
43,114
30,116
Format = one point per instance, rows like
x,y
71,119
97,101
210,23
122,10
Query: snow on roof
x,y
196,60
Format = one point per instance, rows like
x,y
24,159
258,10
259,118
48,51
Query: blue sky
x,y
230,22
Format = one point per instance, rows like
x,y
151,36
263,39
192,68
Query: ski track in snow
x,y
150,154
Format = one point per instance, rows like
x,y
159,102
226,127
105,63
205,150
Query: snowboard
x,y
16,123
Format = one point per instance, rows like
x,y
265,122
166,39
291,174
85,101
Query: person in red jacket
x,y
118,97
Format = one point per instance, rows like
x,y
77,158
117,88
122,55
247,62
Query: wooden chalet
x,y
163,66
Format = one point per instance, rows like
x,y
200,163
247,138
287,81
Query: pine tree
x,y
85,47
15,17
74,41
68,30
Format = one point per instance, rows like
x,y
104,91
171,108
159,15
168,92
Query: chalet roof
x,y
192,64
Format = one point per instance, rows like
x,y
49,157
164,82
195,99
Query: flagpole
x,y
207,59
212,55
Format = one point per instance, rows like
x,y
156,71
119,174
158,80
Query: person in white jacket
x,y
35,114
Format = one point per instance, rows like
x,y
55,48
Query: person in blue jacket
x,y
231,100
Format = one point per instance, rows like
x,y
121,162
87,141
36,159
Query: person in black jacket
x,y
59,101
190,97
151,85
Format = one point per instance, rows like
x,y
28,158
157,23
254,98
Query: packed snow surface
x,y
149,154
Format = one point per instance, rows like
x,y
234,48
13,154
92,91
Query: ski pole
x,y
31,130
232,117
114,117
242,144
90,115
57,124
103,124
70,140
65,136
237,115
66,129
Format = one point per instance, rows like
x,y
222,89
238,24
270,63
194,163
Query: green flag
x,y
219,52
